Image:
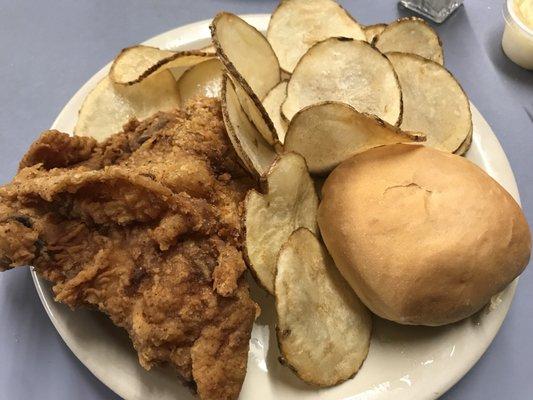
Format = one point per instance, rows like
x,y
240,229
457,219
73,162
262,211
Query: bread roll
x,y
423,237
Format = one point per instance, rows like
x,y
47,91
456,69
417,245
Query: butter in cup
x,y
517,41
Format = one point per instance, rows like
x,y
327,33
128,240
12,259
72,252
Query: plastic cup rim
x,y
509,13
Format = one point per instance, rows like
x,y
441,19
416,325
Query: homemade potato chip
x,y
255,111
133,64
348,71
245,53
323,328
209,49
251,64
255,153
433,102
296,25
411,35
272,103
371,31
326,134
465,146
203,79
289,202
109,106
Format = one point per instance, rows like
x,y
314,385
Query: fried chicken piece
x,y
146,228
55,150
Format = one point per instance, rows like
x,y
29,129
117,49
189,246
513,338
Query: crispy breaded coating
x,y
145,227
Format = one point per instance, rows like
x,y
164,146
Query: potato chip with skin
x,y
328,133
254,152
109,106
348,71
296,25
209,49
411,35
203,79
251,64
323,328
371,31
465,146
434,102
272,103
289,202
245,53
134,64
255,111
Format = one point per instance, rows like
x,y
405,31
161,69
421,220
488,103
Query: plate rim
x,y
181,41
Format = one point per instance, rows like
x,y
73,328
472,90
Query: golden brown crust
x,y
423,237
57,150
145,227
220,354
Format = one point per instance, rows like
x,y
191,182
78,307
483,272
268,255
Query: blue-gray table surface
x,y
48,49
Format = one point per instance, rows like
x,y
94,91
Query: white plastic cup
x,y
517,40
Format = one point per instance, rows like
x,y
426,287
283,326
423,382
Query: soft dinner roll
x,y
423,237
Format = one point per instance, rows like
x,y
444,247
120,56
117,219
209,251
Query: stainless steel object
x,y
436,10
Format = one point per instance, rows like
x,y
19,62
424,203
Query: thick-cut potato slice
x,y
371,31
296,25
323,328
326,134
133,64
203,79
109,106
433,102
272,103
245,53
255,153
290,202
411,35
349,71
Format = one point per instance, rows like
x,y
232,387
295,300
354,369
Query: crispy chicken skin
x,y
146,228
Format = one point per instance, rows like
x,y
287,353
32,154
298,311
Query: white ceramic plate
x,y
403,363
